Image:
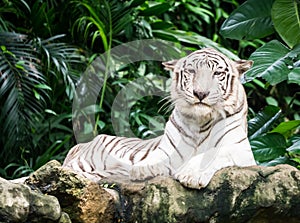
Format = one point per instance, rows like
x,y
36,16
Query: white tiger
x,y
206,131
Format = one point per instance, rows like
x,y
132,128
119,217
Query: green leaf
x,y
285,16
20,65
251,20
42,86
273,62
297,160
192,38
271,101
155,10
161,25
268,147
202,12
101,124
294,76
263,121
50,111
295,148
277,161
136,3
285,128
3,48
36,94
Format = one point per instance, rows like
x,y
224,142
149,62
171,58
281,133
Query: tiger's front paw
x,y
192,179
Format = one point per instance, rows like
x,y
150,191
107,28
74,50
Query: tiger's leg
x,y
198,171
156,165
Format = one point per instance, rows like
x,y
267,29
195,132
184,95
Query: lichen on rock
x,y
18,203
84,201
53,194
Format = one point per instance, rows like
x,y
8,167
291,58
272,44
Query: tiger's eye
x,y
217,73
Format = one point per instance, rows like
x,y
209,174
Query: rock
x,y
43,207
64,218
18,203
84,201
14,202
252,194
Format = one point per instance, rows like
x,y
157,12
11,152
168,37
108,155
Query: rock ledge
x,y
253,194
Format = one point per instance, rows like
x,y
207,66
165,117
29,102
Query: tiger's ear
x,y
170,65
243,65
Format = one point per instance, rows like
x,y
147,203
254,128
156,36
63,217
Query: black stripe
x,y
215,54
114,144
206,126
176,76
128,141
181,78
94,148
104,160
229,130
103,150
137,150
232,83
169,158
176,149
145,155
236,112
156,145
179,128
148,151
243,139
205,138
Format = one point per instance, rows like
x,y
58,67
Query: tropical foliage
x,y
46,46
274,131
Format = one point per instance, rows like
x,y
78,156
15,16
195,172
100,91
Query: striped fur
x,y
206,131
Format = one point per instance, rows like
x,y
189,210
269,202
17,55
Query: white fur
x,y
188,150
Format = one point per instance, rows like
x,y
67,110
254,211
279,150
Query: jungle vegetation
x,y
46,46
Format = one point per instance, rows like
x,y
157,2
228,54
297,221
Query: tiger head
x,y
207,82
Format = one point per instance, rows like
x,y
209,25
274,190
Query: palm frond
x,y
101,20
19,8
58,58
29,70
20,72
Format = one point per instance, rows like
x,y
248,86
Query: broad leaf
x,y
285,16
156,9
277,161
286,128
273,62
191,38
136,3
263,121
295,148
268,147
251,20
294,76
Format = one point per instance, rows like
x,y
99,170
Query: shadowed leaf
x,y
251,20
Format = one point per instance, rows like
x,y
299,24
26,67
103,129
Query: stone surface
x,y
18,203
84,201
64,218
43,207
14,202
252,195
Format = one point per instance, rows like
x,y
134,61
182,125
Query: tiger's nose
x,y
201,94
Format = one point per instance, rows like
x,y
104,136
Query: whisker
x,y
168,105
